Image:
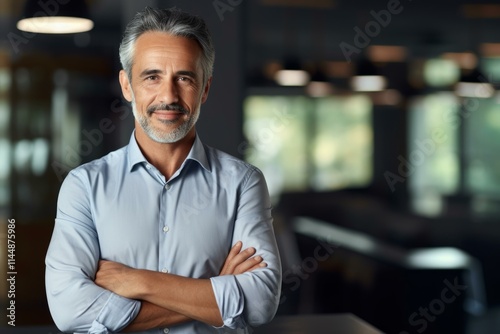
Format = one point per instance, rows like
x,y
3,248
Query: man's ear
x,y
125,84
206,89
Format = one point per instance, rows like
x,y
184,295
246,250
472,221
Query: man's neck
x,y
167,158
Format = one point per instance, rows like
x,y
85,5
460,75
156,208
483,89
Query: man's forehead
x,y
165,40
159,46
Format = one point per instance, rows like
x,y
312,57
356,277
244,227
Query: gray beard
x,y
161,136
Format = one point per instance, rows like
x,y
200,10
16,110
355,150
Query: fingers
x,y
232,253
257,266
250,264
239,261
235,250
242,257
235,258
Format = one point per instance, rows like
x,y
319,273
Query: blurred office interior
x,y
376,124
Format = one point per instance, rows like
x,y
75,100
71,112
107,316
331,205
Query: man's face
x,y
166,89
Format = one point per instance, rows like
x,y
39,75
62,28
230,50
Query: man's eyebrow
x,y
148,72
187,73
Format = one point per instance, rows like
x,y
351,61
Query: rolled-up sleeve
x,y
252,298
76,303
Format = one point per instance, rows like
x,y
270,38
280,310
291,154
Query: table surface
x,y
344,323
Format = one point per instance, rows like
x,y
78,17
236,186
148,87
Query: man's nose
x,y
169,93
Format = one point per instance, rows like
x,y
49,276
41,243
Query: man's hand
x,y
238,262
116,277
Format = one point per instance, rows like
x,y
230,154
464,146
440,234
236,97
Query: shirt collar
x,y
135,155
197,153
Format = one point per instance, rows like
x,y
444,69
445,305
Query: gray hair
x,y
172,21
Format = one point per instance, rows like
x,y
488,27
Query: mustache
x,y
167,107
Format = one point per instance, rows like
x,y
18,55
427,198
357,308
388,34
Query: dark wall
x,y
220,123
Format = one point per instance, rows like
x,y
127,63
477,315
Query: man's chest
x,y
183,227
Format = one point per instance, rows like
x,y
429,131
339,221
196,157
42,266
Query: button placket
x,y
165,230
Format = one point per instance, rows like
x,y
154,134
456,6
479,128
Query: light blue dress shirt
x,y
121,208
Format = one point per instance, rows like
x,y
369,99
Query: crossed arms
x,y
170,299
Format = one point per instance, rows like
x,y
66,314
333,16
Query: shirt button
x,y
165,271
166,228
148,166
166,330
167,186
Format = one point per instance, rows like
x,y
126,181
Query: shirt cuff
x,y
116,314
230,300
97,328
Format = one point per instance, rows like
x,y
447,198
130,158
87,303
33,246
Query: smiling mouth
x,y
169,115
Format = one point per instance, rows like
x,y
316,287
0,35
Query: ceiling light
x,y
474,85
292,74
292,77
55,18
367,78
368,83
474,90
387,53
319,86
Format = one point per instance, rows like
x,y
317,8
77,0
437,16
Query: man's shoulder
x,y
227,162
111,161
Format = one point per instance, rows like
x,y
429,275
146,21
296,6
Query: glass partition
x,y
302,143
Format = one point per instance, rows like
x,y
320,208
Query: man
x,y
165,234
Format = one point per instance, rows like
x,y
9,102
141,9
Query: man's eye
x,y
184,79
152,78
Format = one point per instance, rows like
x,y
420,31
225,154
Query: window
x,y
303,143
433,146
482,144
442,129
